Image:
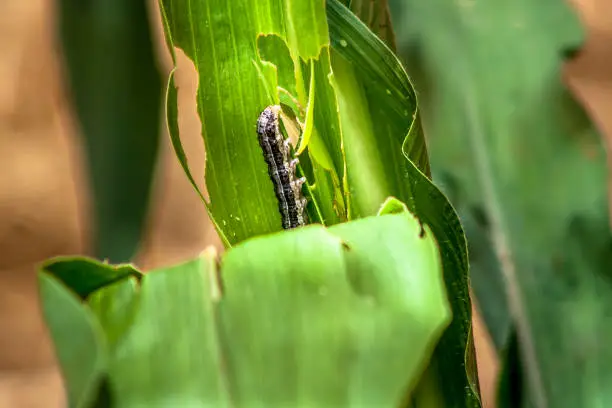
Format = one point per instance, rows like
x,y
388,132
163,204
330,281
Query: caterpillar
x,y
281,169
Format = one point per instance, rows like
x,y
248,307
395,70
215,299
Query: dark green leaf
x,y
84,275
523,153
375,14
116,90
510,393
485,278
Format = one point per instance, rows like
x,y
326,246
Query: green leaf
x,y
378,110
376,15
374,149
347,316
170,354
173,131
378,105
235,86
85,275
359,312
115,306
116,89
392,206
79,341
510,393
485,280
522,153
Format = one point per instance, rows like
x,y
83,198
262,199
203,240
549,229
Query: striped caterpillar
x,y
281,169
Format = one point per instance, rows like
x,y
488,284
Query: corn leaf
x,y
526,163
366,144
346,316
227,42
116,89
380,105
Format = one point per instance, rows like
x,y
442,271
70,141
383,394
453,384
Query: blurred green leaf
x,y
486,279
345,317
510,392
79,341
116,90
376,15
525,159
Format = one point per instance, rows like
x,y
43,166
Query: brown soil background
x,y
44,194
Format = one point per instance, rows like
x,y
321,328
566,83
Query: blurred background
x,y
46,202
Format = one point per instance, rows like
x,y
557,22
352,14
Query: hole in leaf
x,y
189,122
